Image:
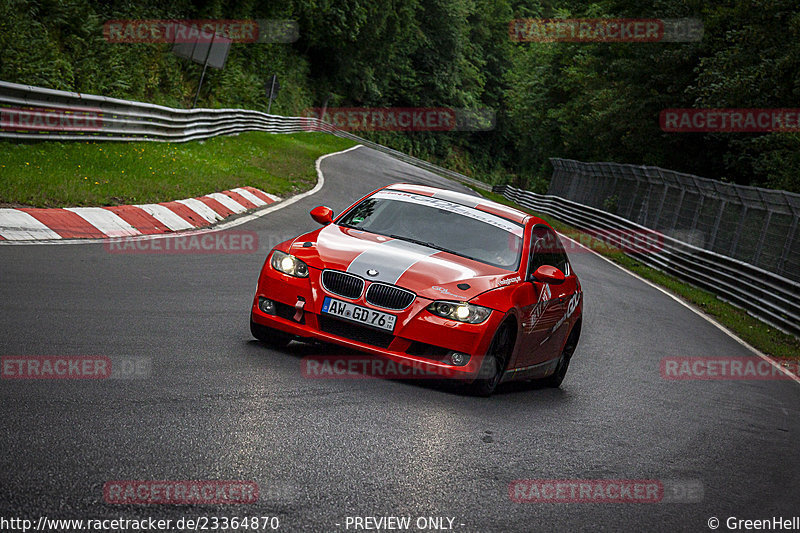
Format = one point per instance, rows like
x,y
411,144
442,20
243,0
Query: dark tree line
x,y
588,101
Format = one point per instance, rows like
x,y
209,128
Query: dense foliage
x,y
588,101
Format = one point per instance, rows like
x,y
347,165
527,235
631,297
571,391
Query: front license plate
x,y
356,313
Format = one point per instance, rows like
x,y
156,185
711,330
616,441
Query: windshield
x,y
439,224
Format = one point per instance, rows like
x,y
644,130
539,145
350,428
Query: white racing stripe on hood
x,y
391,259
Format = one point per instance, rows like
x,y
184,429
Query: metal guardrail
x,y
754,225
86,117
771,297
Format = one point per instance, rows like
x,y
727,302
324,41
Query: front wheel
x,y
494,363
269,336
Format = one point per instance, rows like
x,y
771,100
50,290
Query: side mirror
x,y
549,274
322,214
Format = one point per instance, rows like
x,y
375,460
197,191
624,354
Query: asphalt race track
x,y
218,405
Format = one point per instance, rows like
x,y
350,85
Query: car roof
x,y
476,202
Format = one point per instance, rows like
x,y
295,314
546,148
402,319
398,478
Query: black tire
x,y
494,364
269,336
556,378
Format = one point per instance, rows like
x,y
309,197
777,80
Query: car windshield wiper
x,y
423,243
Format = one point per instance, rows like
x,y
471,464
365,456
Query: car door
x,y
563,293
542,322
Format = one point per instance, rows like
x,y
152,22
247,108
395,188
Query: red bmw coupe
x,y
456,284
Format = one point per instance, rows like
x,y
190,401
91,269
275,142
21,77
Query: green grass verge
x,y
55,174
752,330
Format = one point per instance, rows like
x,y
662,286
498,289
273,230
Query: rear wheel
x,y
557,377
494,363
269,336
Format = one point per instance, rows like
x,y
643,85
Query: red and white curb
x,y
33,224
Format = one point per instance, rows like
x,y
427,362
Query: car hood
x,y
428,272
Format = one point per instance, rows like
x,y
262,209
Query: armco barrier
x,y
123,120
770,297
754,225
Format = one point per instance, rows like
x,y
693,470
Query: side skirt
x,y
537,371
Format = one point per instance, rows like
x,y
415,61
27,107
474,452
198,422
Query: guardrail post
x,y
574,181
699,208
612,169
661,205
785,254
560,184
591,196
634,198
738,232
762,238
697,212
677,210
712,242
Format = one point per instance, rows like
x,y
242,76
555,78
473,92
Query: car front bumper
x,y
420,339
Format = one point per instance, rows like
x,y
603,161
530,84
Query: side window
x,y
546,249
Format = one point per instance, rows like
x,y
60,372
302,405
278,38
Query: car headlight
x,y
289,264
461,311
